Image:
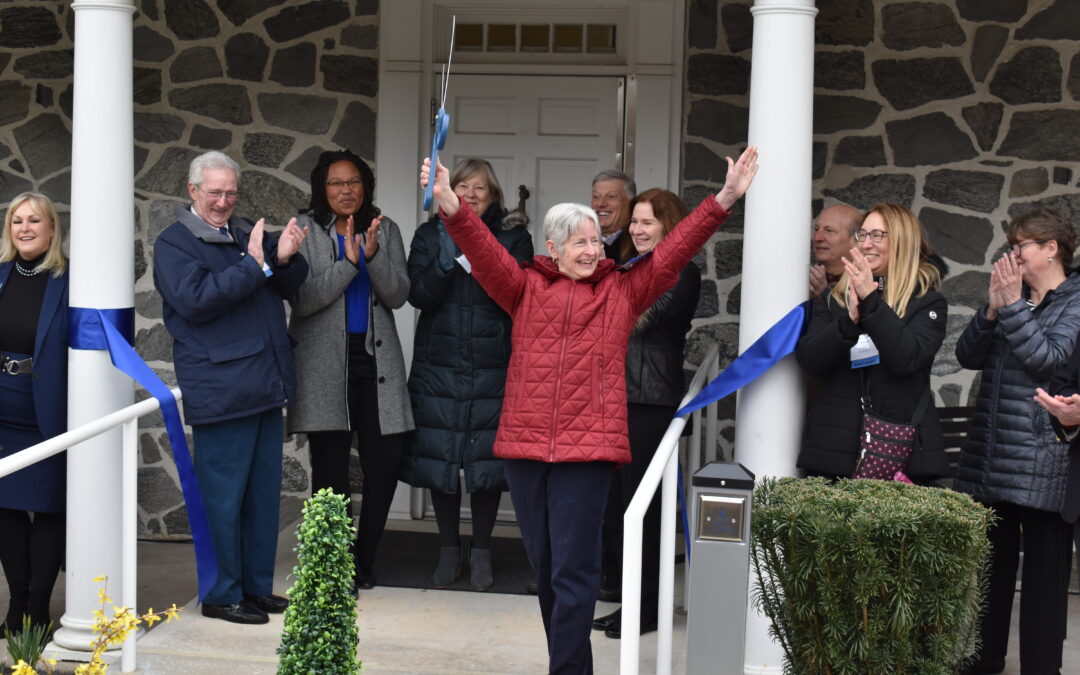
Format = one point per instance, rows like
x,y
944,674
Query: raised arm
x,y
656,274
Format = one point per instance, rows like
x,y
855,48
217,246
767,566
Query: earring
x,y
1050,259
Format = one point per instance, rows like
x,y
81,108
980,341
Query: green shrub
x,y
864,577
320,623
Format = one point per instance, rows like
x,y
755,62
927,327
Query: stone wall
x,y
964,111
270,83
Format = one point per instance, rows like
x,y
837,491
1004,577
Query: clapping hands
x,y
1006,284
288,243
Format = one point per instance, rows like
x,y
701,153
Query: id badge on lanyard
x,y
864,353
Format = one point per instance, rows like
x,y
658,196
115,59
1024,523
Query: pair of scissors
x,y
442,122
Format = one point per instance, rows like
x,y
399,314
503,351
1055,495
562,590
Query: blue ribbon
x,y
775,344
112,329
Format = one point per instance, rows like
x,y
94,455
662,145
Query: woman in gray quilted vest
x,y
1011,460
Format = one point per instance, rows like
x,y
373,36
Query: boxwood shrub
x,y
862,577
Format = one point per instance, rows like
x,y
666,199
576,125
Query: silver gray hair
x,y
563,220
209,161
629,186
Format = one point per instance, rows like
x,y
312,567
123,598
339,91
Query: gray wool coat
x,y
318,325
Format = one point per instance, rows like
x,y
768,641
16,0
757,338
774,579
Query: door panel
x,y
549,133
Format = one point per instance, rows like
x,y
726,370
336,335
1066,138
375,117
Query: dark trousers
x,y
238,465
484,507
31,551
559,510
1047,545
380,456
646,425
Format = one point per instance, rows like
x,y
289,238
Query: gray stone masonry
x,y
265,81
964,111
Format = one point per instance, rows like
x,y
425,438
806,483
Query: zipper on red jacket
x,y
559,379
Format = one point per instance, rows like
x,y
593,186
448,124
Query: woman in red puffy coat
x,y
563,426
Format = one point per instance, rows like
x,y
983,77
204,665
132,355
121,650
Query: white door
x,y
551,134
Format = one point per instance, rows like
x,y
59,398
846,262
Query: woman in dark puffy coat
x,y
654,387
458,375
1011,460
888,293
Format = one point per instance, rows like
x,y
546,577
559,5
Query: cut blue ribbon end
x,y
111,329
776,343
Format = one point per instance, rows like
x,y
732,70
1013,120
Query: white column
x,y
776,250
102,277
403,142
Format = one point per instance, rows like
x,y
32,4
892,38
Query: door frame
x,y
651,61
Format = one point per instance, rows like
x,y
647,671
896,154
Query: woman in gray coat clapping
x,y
349,366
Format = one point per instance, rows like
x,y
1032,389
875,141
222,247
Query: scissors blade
x,y
449,60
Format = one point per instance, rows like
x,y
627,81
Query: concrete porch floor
x,y
401,630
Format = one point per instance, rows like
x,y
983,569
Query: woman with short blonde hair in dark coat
x,y
458,375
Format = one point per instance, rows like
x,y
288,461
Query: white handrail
x,y
663,467
128,417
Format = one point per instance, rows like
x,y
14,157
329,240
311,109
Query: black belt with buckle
x,y
15,366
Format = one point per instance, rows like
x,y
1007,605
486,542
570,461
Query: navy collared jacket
x,y
50,353
231,349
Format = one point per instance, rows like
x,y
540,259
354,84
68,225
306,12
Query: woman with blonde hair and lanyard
x,y
887,302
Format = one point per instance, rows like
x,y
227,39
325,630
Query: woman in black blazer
x,y
33,404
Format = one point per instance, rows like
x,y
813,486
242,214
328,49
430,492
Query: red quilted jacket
x,y
565,395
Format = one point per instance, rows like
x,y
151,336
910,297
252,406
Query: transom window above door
x,y
542,38
551,33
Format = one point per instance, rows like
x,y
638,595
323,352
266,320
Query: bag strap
x,y
920,409
864,391
864,398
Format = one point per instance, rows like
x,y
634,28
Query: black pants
x,y
1047,544
559,510
484,505
31,552
646,425
380,456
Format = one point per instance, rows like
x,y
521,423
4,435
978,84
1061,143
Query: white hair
x,y
562,220
209,161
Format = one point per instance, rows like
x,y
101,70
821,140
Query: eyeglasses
x,y
1018,248
216,195
340,184
875,235
462,188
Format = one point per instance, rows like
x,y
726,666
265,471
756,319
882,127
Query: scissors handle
x,y
438,141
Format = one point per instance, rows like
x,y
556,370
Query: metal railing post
x,y
128,418
662,470
129,530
